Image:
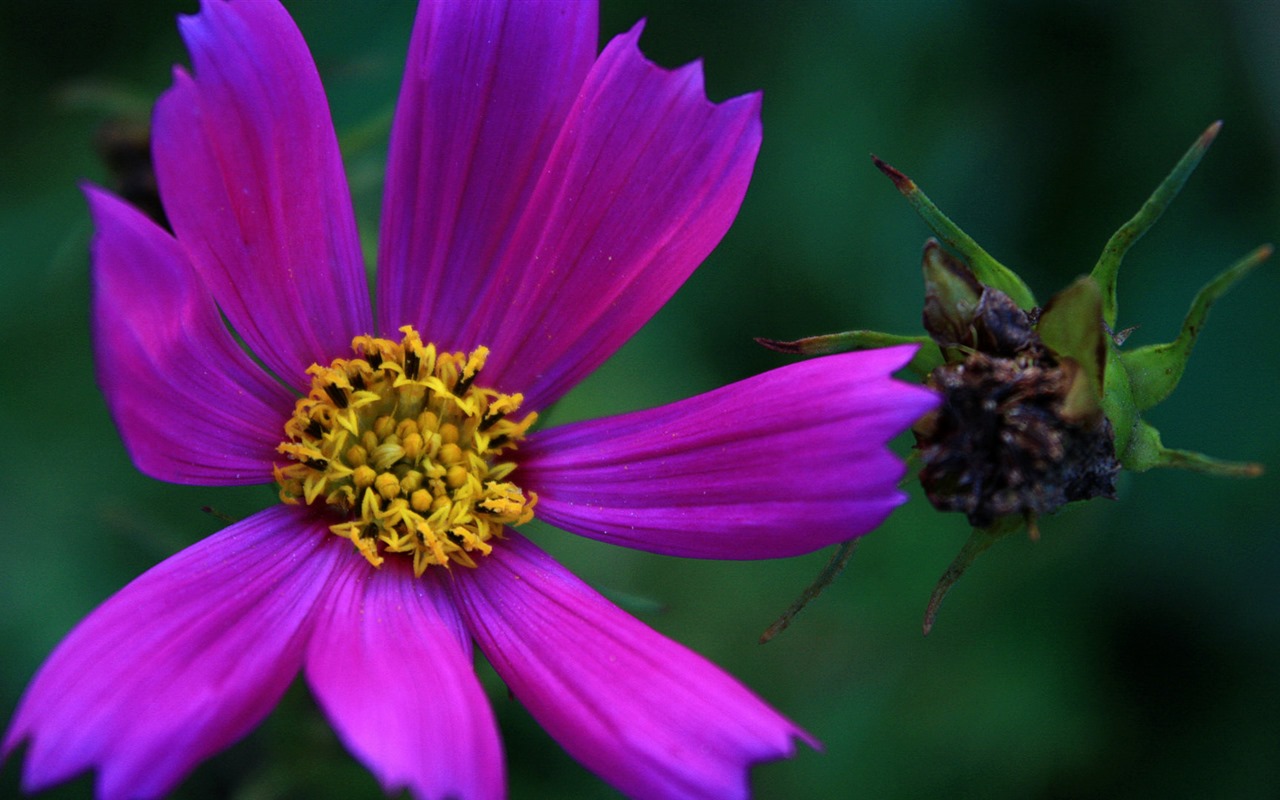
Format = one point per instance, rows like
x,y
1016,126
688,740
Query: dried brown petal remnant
x,y
998,446
1002,443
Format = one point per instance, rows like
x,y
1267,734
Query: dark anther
x,y
357,382
369,531
499,441
315,430
316,463
464,383
491,419
455,538
411,364
374,359
337,395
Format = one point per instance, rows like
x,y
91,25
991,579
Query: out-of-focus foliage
x,y
1131,651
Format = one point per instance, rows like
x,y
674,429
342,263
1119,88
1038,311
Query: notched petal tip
x,y
131,690
650,716
253,185
656,173
693,72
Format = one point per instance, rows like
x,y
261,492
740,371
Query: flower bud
x,y
1041,406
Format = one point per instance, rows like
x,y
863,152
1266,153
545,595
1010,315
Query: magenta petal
x,y
486,89
252,181
390,663
648,715
776,465
180,663
191,406
644,180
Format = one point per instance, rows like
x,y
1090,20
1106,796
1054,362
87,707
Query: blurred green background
x,y
1133,651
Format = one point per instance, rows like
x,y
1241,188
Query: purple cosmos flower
x,y
541,204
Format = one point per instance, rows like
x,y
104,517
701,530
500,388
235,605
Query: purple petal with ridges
x,y
390,663
252,180
648,715
486,90
180,663
776,465
191,406
642,183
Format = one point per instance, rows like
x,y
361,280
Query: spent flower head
x,y
1041,405
541,204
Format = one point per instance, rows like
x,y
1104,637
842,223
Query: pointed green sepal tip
x,y
1146,451
1071,326
1199,462
839,560
989,271
1107,269
980,539
921,364
1154,370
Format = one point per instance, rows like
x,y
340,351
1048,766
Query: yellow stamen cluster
x,y
403,445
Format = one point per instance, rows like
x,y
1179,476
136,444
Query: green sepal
x,y
1154,370
1146,451
1117,403
952,295
1071,326
953,301
980,539
1107,268
989,271
839,560
922,363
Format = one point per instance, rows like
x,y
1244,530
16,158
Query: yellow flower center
x,y
403,445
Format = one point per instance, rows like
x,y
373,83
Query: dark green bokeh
x,y
1134,650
